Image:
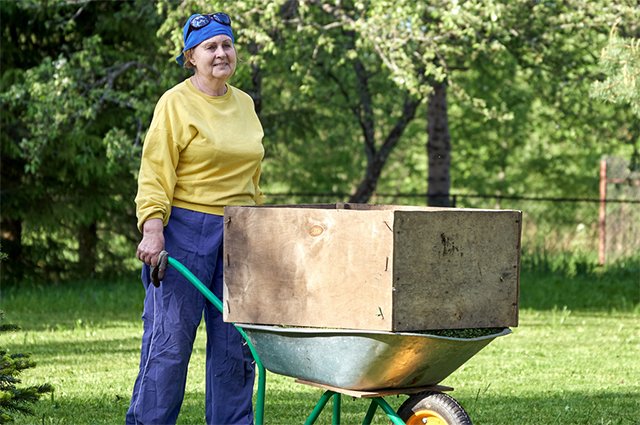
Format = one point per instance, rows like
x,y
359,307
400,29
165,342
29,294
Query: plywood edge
x,y
376,393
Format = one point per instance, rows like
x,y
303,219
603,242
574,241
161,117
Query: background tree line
x,y
357,97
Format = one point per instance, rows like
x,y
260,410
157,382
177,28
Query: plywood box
x,y
359,266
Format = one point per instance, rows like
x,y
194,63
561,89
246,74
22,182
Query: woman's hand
x,y
152,242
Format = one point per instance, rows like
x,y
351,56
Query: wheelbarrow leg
x,y
337,402
379,401
371,411
313,417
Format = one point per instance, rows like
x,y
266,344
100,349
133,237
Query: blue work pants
x,y
172,314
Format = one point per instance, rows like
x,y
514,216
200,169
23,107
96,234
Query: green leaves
x,y
341,89
13,398
77,117
620,65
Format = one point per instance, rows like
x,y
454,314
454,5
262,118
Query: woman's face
x,y
215,58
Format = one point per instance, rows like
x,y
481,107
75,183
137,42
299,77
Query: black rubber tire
x,y
442,404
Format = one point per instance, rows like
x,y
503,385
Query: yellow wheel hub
x,y
428,417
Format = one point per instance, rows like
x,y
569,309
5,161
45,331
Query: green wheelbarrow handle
x,y
262,378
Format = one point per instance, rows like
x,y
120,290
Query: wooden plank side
x,y
456,269
308,267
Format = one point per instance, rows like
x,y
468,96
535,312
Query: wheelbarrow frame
x,y
377,398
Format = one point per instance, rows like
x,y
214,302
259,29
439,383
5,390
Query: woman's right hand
x,y
152,242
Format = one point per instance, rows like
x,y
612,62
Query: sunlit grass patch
x,y
572,360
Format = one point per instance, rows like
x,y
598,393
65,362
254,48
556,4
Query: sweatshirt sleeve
x,y
157,177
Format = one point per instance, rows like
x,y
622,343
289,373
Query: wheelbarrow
x,y
361,364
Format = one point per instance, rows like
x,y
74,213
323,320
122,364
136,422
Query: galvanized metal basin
x,y
362,360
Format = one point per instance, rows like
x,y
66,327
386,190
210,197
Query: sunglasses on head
x,y
202,21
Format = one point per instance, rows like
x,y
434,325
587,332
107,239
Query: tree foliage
x,y
75,110
345,91
620,64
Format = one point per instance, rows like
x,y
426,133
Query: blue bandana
x,y
197,36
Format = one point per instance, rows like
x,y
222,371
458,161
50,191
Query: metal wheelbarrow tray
x,y
361,359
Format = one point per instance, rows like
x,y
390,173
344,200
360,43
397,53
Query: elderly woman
x,y
202,152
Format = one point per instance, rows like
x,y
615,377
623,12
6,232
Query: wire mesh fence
x,y
619,234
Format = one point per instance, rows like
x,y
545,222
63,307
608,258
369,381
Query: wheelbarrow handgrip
x,y
157,271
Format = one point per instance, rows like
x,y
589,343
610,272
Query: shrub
x,y
14,399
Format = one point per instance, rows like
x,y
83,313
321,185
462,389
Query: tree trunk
x,y
87,248
438,147
367,186
376,159
256,80
12,269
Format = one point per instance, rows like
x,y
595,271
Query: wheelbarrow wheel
x,y
433,408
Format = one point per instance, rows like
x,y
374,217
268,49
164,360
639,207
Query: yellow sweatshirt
x,y
201,153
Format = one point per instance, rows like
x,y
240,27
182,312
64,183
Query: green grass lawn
x,y
574,359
